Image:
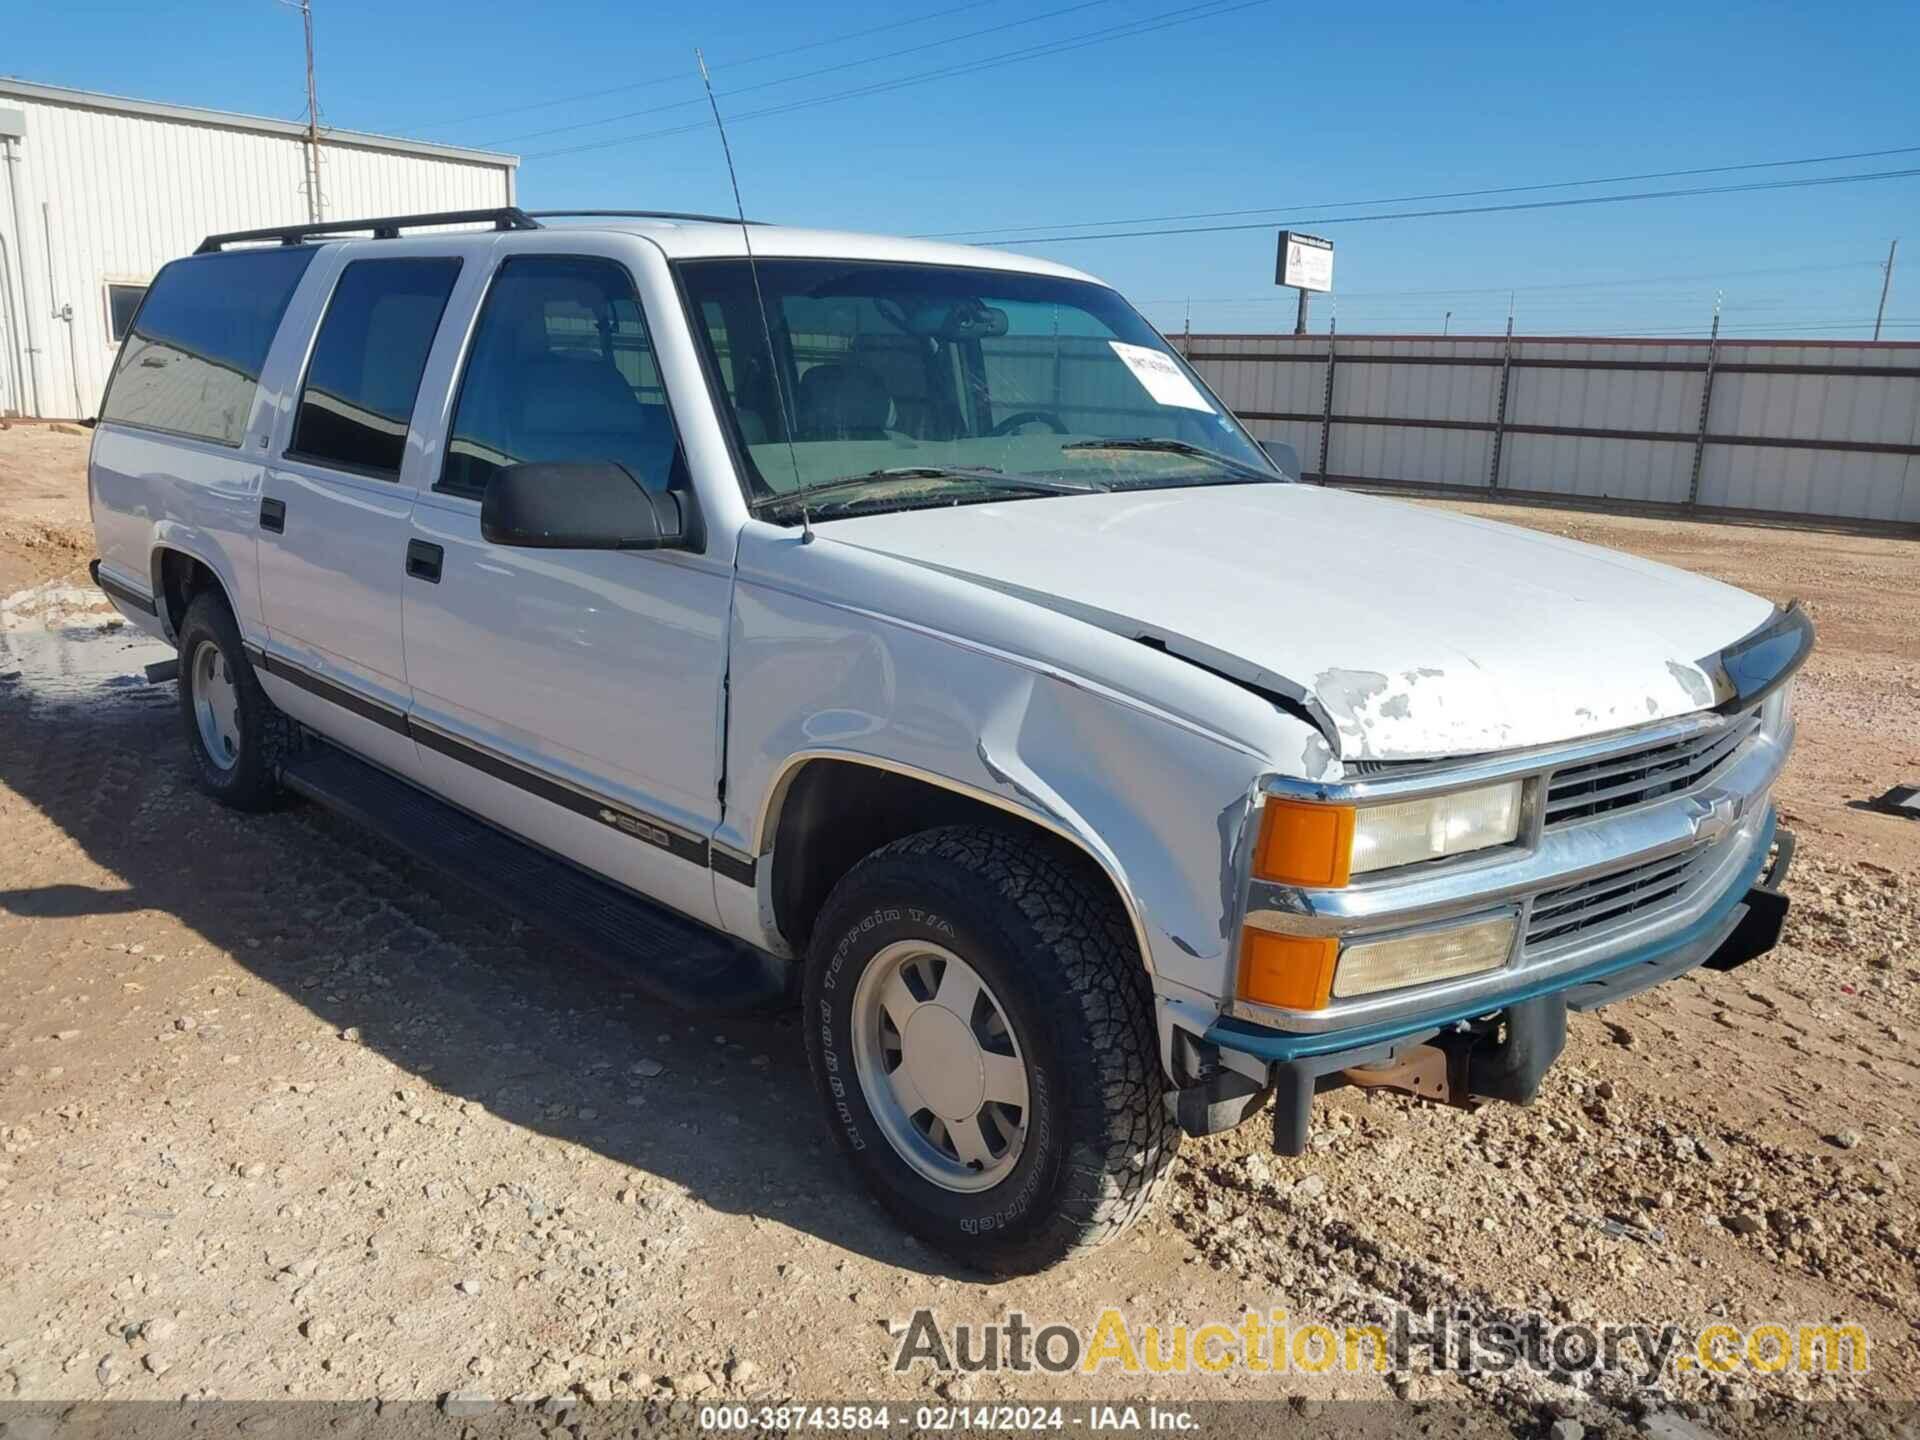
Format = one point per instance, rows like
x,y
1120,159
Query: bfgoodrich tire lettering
x,y
1043,931
247,777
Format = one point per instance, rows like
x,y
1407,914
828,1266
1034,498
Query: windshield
x,y
910,385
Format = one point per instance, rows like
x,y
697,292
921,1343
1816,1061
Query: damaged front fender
x,y
1152,770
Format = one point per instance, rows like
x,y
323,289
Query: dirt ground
x,y
44,528
283,1115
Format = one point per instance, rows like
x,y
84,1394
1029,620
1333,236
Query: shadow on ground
x,y
449,986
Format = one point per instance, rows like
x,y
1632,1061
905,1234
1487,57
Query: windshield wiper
x,y
1175,447
985,475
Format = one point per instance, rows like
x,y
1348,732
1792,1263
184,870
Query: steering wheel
x,y
1024,417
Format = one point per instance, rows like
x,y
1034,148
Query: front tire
x,y
236,737
980,1028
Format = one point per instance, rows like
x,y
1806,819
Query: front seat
x,y
843,402
574,405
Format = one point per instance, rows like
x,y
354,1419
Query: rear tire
x,y
1062,1020
236,738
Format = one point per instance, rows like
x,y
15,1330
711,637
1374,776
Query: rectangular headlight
x,y
1413,830
1303,842
1371,966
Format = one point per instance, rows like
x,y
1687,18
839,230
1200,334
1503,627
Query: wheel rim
x,y
216,705
940,1066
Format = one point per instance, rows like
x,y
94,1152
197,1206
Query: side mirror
x,y
1285,458
596,505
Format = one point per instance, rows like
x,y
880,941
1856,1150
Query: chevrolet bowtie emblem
x,y
1713,817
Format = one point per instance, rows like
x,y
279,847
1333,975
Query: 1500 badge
x,y
652,834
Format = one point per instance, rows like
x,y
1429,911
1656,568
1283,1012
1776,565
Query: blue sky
x,y
1279,103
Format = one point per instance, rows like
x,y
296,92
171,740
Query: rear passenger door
x,y
333,515
572,696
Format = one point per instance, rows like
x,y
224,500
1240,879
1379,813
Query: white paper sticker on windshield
x,y
1161,378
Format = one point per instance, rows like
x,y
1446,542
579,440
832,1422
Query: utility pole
x,y
1500,404
313,121
1706,401
1886,284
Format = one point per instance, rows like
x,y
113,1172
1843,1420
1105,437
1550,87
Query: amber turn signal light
x,y
1293,971
1305,844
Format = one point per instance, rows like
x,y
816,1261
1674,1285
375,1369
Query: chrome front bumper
x,y
1470,1053
1717,826
1639,855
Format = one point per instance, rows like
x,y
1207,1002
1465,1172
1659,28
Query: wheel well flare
x,y
833,813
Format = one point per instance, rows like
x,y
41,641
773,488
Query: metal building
x,y
101,191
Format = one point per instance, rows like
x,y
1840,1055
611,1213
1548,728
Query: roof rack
x,y
505,217
639,215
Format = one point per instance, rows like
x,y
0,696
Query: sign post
x,y
1304,262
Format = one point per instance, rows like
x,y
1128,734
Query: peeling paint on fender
x,y
1316,759
1345,693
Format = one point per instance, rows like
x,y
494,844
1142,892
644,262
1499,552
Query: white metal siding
x,y
126,193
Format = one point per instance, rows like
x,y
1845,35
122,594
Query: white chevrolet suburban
x,y
906,630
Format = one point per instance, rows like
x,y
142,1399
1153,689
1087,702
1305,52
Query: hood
x,y
1417,632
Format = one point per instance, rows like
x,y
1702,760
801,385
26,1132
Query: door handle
x,y
273,515
423,560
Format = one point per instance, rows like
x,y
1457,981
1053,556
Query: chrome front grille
x,y
1580,912
1615,782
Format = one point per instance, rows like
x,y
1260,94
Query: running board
x,y
675,959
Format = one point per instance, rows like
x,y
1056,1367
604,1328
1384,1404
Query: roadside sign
x,y
1305,262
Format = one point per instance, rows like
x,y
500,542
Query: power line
x,y
1684,192
1387,310
1417,199
1646,312
805,74
1638,280
1166,19
727,65
1797,328
1186,15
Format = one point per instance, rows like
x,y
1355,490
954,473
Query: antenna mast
x,y
760,302
314,214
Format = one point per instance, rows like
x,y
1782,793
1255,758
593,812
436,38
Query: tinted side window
x,y
562,368
367,362
192,361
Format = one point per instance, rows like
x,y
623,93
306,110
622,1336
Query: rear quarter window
x,y
192,361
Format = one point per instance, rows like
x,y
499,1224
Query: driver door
x,y
571,696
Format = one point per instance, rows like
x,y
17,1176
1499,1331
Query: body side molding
x,y
122,591
649,829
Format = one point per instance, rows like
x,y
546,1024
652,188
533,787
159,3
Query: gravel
x,y
204,1193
